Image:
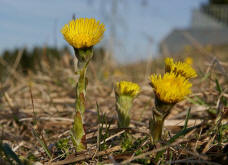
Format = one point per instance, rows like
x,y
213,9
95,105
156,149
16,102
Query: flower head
x,y
180,68
83,32
170,88
127,88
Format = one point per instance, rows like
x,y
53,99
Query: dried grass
x,y
44,102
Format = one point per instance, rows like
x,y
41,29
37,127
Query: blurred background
x,y
135,28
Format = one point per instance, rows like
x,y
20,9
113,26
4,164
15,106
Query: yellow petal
x,y
83,32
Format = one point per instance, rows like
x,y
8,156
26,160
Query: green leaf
x,y
9,153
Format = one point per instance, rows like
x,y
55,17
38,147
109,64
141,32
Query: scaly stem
x,y
123,106
156,126
160,113
79,134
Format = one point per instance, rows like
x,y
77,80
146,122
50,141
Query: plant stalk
x,y
160,112
83,55
123,106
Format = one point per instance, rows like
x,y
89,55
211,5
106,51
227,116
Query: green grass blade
x,y
187,118
181,133
197,101
42,143
185,130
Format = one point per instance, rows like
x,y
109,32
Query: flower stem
x,y
79,134
123,106
156,127
160,113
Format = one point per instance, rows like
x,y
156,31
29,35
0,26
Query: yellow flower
x,y
170,88
83,32
127,88
188,60
180,68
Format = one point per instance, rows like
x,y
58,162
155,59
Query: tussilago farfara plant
x,y
169,89
82,34
125,93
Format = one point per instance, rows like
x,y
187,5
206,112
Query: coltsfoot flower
x,y
127,88
180,68
170,88
83,32
125,93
